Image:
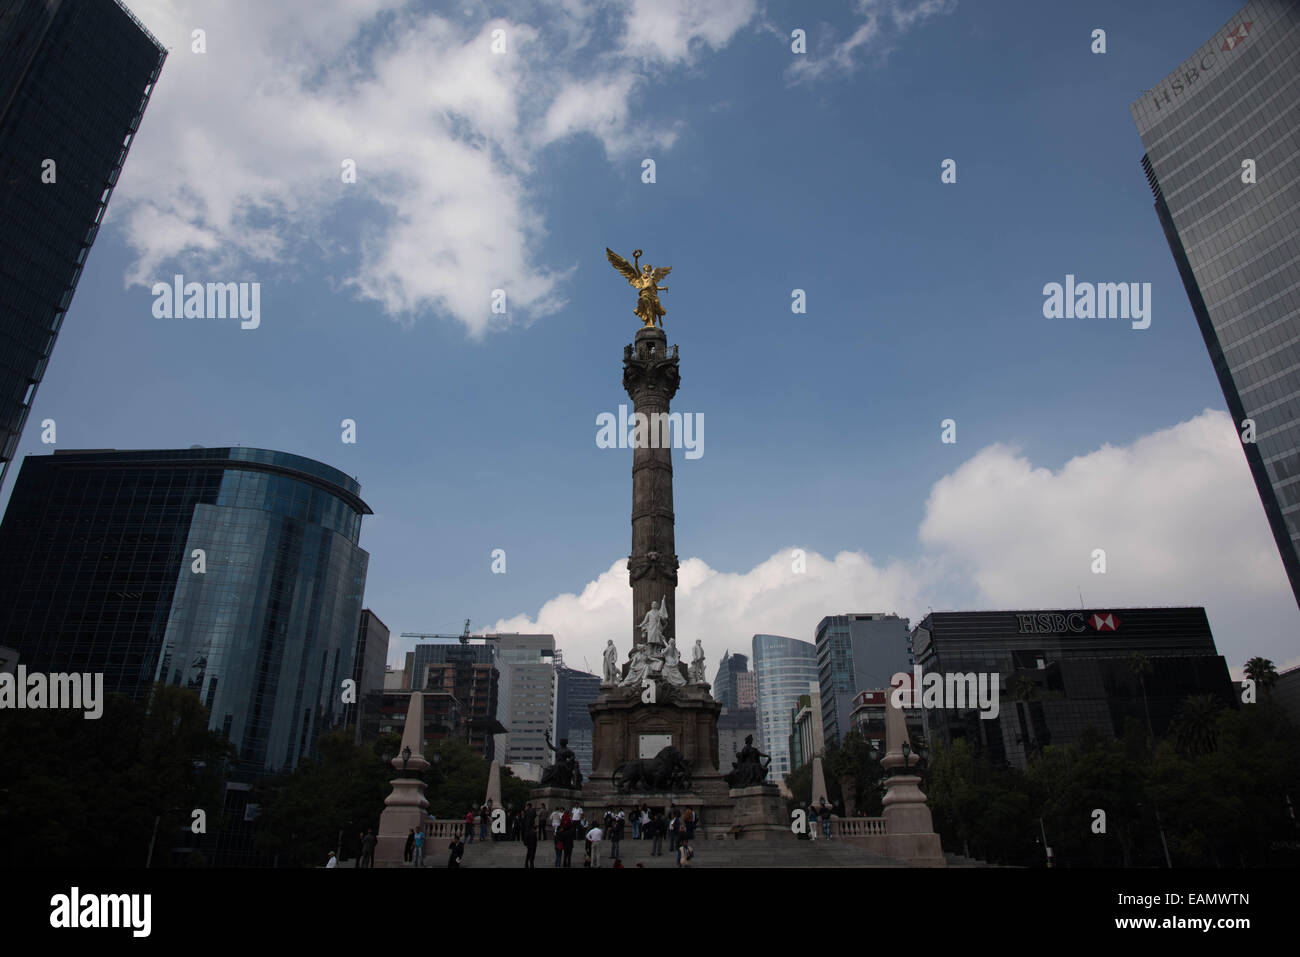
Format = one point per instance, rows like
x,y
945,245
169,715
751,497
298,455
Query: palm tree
x,y
1139,665
1262,672
1196,726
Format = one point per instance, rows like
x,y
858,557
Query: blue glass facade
x,y
99,572
75,78
1235,232
783,668
725,691
574,691
857,653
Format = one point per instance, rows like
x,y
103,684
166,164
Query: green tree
x,y
1263,673
458,779
84,793
1196,726
1139,665
334,795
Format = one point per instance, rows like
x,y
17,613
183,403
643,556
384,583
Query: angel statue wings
x,y
645,280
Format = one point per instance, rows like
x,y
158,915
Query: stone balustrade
x,y
435,830
858,826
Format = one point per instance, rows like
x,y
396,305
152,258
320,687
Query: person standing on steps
x,y
529,831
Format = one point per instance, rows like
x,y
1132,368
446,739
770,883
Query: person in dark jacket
x,y
568,833
456,850
368,849
410,846
529,829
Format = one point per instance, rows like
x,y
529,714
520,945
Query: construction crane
x,y
463,636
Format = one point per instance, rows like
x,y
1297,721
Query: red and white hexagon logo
x,y
1107,622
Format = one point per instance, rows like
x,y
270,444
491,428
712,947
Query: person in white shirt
x,y
595,836
645,819
333,861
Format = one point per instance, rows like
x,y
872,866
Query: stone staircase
x,y
708,853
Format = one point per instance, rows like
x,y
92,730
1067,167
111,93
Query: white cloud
x,y
237,164
668,31
882,21
1176,511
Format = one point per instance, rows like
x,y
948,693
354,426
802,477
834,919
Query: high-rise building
x,y
1222,138
1060,673
529,702
868,718
385,713
854,653
369,664
235,572
733,727
724,682
75,78
574,691
783,667
744,690
471,673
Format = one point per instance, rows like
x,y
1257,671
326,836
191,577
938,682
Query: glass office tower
x,y
783,667
574,691
1063,672
857,653
1222,138
75,78
233,572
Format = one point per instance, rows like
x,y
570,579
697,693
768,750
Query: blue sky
x,y
773,172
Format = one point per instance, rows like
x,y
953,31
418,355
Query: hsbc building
x,y
1063,671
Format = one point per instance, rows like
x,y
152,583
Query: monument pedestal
x,y
909,828
759,814
406,810
629,729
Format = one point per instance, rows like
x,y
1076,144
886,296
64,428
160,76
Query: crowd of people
x,y
570,828
567,829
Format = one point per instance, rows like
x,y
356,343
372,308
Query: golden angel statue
x,y
645,280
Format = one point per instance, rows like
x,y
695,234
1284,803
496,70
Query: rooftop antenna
x,y
464,635
1081,608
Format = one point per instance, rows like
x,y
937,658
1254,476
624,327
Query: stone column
x,y
651,379
909,829
406,808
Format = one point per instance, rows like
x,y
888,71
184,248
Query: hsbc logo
x,y
1048,623
1066,623
1237,36
1186,80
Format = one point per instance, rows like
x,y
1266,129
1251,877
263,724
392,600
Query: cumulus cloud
x,y
725,610
1176,512
238,163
